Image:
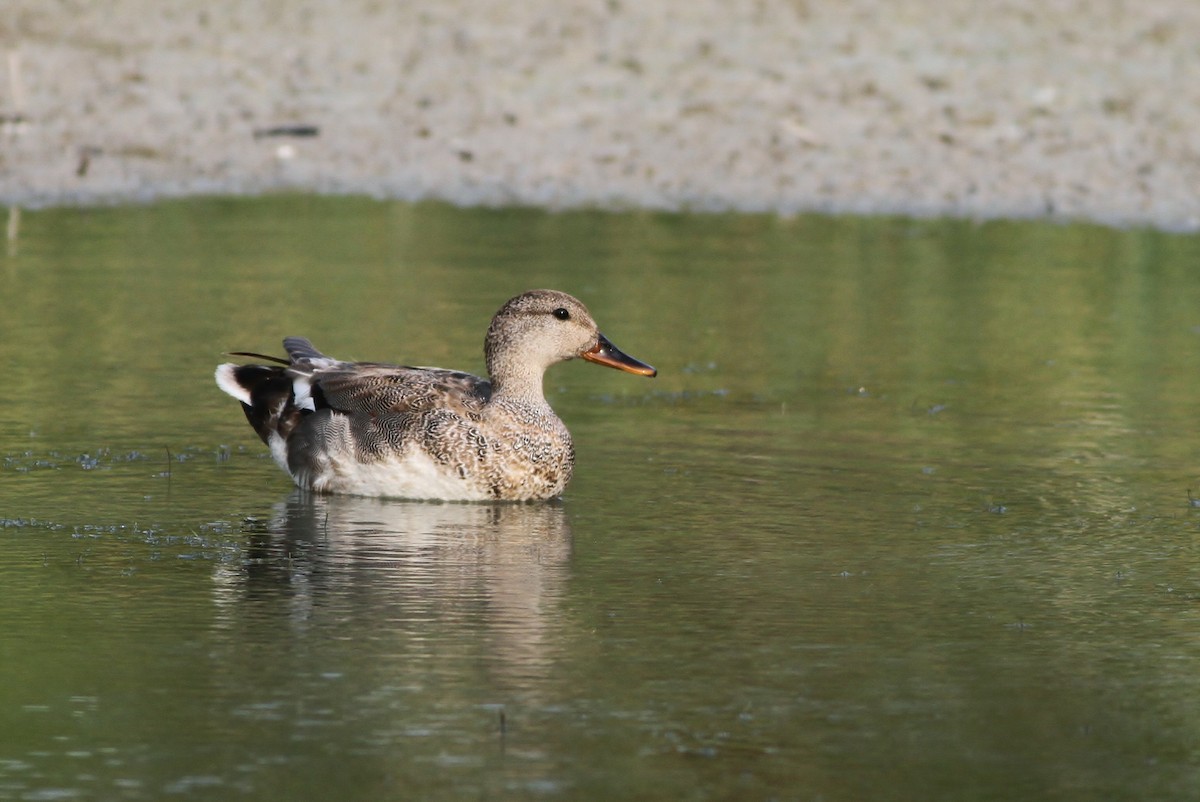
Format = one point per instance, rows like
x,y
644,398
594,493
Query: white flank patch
x,y
228,382
302,391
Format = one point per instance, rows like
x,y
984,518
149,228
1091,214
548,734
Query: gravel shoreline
x,y
1060,109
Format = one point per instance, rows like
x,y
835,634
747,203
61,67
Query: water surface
x,y
904,516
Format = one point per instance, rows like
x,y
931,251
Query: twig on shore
x,y
15,118
287,130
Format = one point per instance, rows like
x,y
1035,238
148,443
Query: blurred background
x,y
1068,109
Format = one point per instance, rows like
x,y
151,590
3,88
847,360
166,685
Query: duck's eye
x,y
562,314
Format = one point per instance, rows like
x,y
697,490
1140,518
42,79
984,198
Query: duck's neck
x,y
519,386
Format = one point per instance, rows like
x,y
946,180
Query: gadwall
x,y
372,429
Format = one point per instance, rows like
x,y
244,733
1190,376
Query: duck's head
x,y
538,328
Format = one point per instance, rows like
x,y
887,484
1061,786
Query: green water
x,y
905,515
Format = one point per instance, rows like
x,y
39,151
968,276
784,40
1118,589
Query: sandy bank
x,y
1071,109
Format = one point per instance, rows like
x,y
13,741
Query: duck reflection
x,y
421,576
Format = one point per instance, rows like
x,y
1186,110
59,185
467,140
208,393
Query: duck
x,y
426,433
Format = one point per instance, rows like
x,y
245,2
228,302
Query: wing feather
x,y
378,389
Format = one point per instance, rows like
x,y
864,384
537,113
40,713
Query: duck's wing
x,y
378,389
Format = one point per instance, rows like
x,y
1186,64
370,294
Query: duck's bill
x,y
605,353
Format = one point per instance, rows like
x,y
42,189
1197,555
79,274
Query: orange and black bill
x,y
605,353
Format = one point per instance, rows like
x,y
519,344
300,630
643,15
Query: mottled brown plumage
x,y
373,429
